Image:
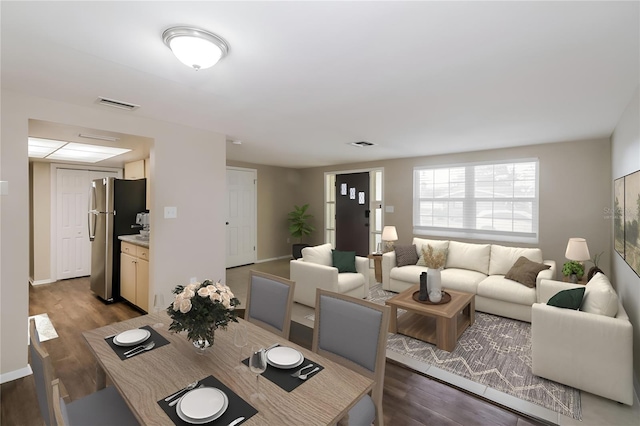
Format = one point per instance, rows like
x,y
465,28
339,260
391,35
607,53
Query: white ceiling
x,y
303,79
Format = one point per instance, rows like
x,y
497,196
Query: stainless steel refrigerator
x,y
113,206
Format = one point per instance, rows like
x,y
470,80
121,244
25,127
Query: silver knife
x,y
236,421
270,347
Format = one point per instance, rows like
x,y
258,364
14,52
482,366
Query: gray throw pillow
x,y
406,255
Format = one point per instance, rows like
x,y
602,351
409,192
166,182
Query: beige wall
x,y
187,169
574,192
625,159
276,194
40,265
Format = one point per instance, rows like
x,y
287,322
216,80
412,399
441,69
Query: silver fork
x,y
304,376
297,373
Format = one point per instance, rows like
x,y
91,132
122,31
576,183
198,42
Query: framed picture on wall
x,y
632,220
618,215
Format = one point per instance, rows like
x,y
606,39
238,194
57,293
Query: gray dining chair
x,y
104,407
269,302
42,373
353,332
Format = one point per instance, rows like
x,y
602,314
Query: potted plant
x,y
594,269
299,227
573,269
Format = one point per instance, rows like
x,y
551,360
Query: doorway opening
x,y
58,204
372,203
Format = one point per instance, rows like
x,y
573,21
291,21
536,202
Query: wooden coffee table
x,y
441,325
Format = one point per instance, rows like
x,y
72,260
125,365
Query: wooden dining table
x,y
145,379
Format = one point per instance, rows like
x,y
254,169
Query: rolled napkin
x,y
423,287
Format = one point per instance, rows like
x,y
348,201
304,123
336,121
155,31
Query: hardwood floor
x,y
409,397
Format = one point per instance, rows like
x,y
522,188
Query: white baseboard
x,y
16,374
273,258
40,282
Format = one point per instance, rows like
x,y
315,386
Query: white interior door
x,y
241,216
72,246
73,241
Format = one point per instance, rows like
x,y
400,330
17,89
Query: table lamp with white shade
x,y
577,251
389,236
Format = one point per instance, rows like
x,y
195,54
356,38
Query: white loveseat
x,y
589,349
479,269
315,270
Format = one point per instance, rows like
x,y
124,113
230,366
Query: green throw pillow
x,y
568,299
345,261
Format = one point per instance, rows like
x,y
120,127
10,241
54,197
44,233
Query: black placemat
x,y
282,377
238,407
155,337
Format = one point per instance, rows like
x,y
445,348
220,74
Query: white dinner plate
x,y
284,357
131,337
202,405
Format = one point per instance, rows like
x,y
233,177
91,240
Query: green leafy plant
x,y
572,267
299,226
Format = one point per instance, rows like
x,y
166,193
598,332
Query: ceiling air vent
x,y
117,104
362,144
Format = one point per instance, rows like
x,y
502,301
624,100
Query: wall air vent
x,y
362,144
117,104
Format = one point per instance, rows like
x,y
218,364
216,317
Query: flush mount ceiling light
x,y
198,49
69,151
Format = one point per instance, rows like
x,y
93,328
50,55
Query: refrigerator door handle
x,y
91,222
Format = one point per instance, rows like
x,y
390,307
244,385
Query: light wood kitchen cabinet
x,y
134,170
138,170
134,274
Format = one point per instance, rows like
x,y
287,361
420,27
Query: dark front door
x,y
352,213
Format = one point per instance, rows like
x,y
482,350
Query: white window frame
x,y
468,229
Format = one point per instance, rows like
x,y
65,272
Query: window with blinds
x,y
497,201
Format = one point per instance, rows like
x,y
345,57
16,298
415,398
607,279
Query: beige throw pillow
x,y
599,297
318,254
432,257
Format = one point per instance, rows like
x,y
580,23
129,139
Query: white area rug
x,y
45,328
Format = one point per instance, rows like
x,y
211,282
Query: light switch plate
x,y
388,209
170,212
4,187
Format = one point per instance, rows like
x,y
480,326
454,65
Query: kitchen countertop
x,y
133,239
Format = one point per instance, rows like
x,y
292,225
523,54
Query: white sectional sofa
x,y
589,349
475,268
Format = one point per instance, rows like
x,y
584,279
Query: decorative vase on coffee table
x,y
434,281
423,287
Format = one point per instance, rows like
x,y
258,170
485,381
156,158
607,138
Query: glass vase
x,y
203,345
